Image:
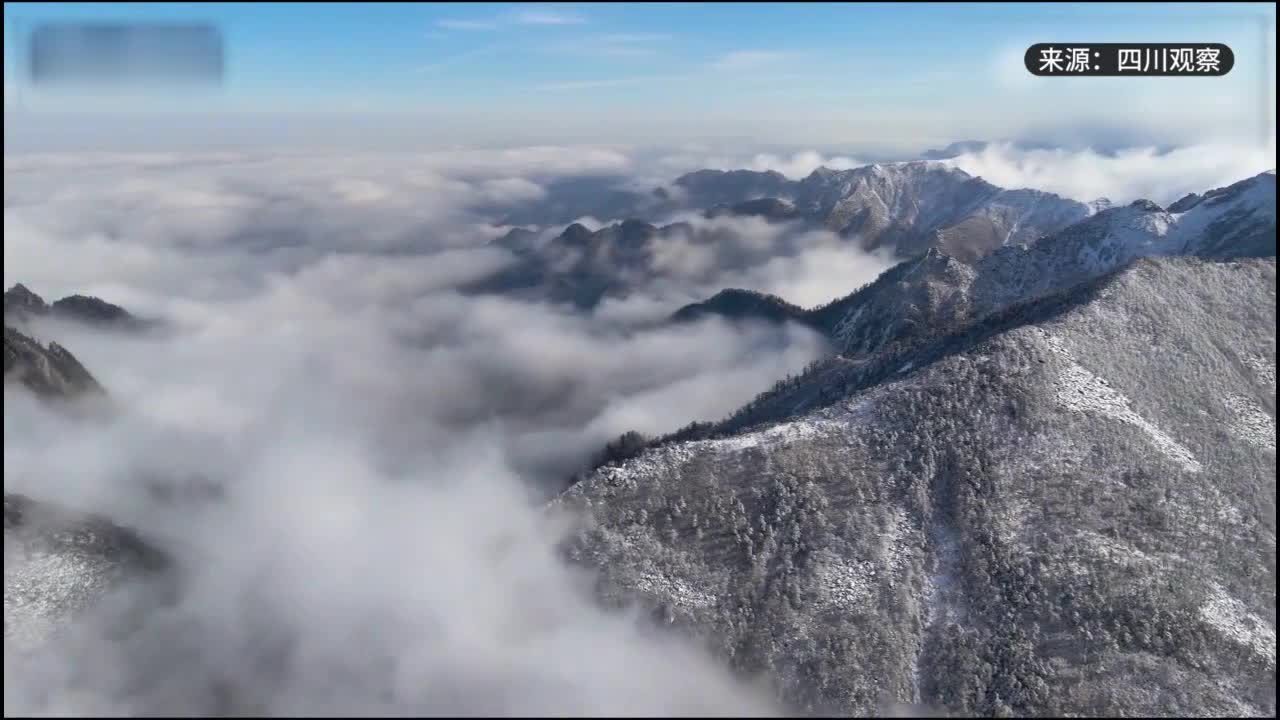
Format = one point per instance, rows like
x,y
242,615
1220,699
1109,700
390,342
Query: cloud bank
x,y
1123,175
795,164
804,266
378,544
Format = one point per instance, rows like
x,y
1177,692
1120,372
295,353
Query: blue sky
x,y
789,73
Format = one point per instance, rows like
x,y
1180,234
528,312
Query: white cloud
x,y
523,18
1009,69
512,190
543,160
534,16
372,429
795,165
594,84
802,163
462,24
739,60
457,58
825,270
613,45
1122,176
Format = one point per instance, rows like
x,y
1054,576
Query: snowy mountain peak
x,y
905,170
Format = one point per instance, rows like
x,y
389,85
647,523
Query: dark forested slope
x,y
1069,510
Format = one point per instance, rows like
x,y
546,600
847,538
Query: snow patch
x,y
781,433
1081,391
1113,551
1011,522
668,460
847,325
1230,617
676,591
41,589
894,548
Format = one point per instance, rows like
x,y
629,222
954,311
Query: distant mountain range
x,y
580,266
913,206
904,207
935,290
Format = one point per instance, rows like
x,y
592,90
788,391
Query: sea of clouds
x,y
383,443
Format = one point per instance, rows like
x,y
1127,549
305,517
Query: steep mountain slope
x,y
50,371
1068,507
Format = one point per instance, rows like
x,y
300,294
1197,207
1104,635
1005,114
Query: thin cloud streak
x,y
748,59
529,17
448,24
458,58
546,17
594,84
